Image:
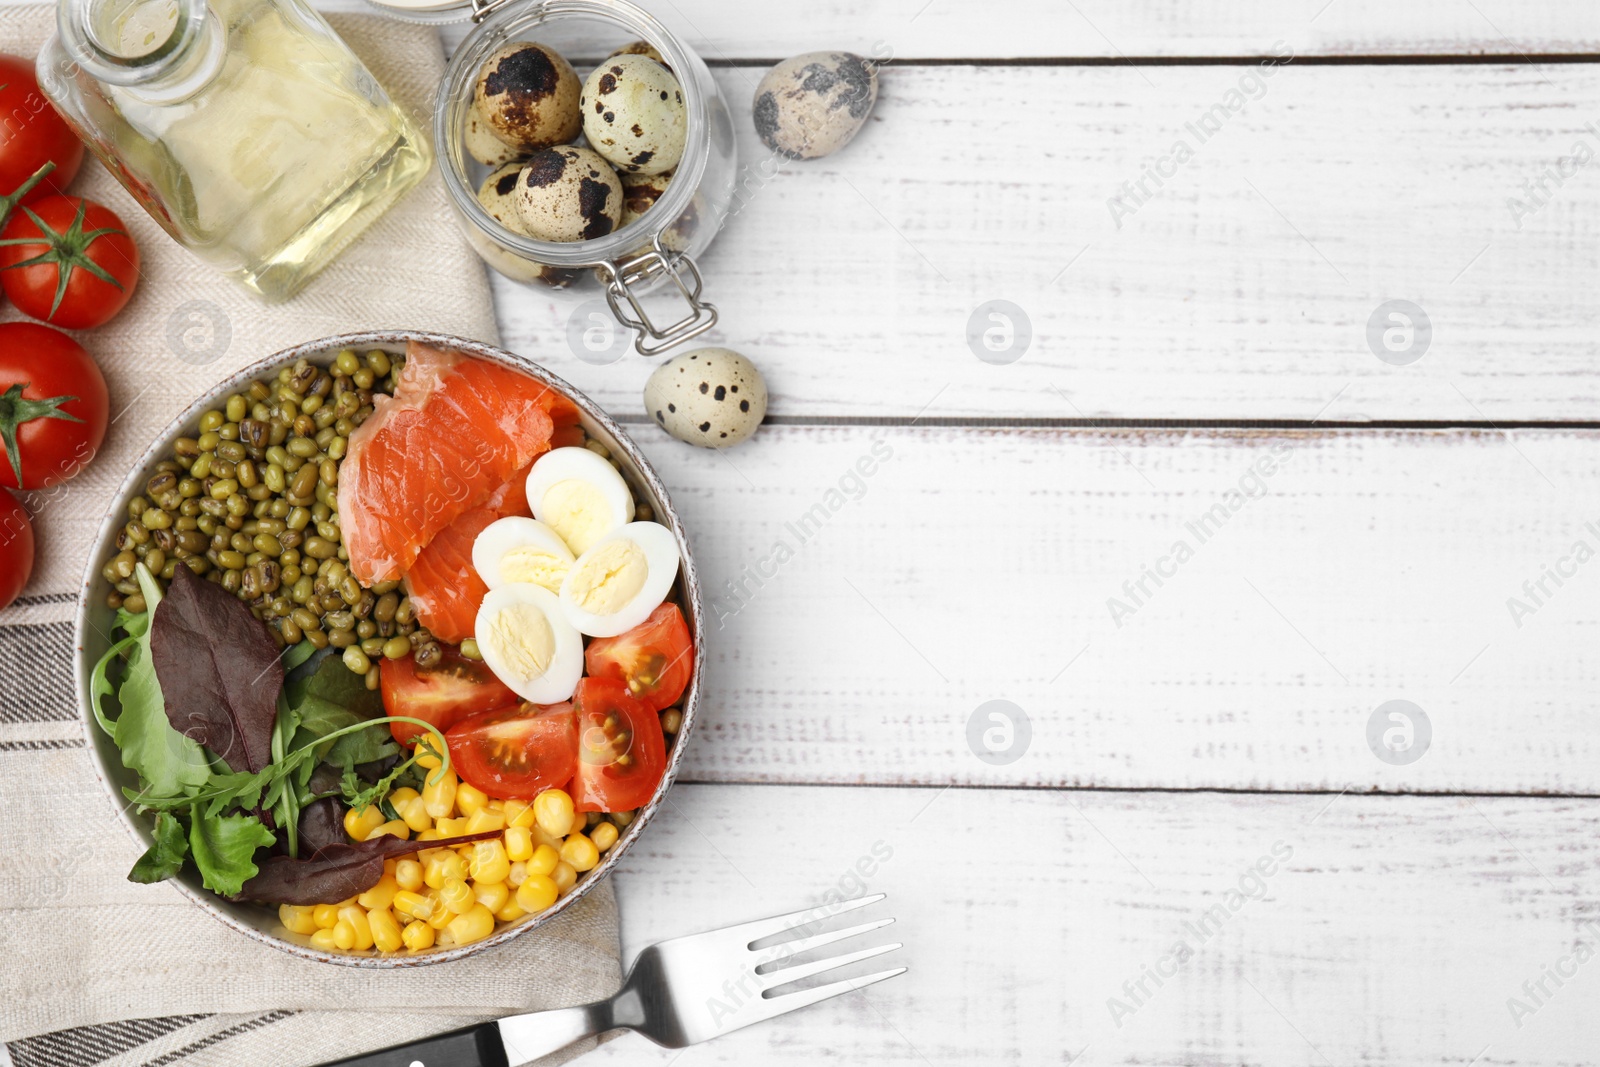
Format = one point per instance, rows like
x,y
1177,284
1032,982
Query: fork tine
x,y
806,970
755,931
806,944
787,1002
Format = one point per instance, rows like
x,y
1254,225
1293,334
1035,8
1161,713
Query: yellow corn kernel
x,y
519,843
470,799
440,796
414,812
431,834
444,937
517,875
380,895
325,915
393,828
414,904
543,860
537,893
489,862
496,804
426,758
510,912
344,935
581,852
356,916
385,931
388,866
604,836
475,925
485,819
323,940
457,897
442,867
408,874
554,812
451,827
565,876
417,936
404,795
360,824
441,915
492,895
297,919
519,812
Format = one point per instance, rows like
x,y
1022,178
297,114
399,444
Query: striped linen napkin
x,y
101,971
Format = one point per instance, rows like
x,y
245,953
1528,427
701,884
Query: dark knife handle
x,y
476,1046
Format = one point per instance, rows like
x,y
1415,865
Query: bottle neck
x,y
154,45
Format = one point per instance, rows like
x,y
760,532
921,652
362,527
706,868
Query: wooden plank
x,y
1390,930
1107,29
865,618
1242,288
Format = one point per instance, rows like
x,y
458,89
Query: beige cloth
x,y
81,945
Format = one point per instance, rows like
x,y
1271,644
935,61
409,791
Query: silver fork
x,y
679,992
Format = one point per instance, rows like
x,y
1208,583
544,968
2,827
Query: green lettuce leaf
x,y
170,763
165,858
223,847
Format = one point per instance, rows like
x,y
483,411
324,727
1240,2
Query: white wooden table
x,y
1219,718
1191,853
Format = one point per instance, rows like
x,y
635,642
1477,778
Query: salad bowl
x,y
95,622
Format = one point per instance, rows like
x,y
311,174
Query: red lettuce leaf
x,y
336,872
219,670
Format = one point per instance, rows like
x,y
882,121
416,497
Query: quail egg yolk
x,y
523,636
609,578
578,512
527,563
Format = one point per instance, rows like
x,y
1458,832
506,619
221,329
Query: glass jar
x,y
246,128
657,249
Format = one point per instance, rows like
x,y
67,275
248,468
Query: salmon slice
x,y
444,587
455,432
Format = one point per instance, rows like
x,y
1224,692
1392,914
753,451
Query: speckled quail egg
x,y
712,397
482,144
634,115
642,48
498,196
568,194
640,193
527,95
812,105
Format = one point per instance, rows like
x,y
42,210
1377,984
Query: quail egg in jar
x,y
634,115
568,194
527,96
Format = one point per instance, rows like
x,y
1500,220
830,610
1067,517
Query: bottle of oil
x,y
246,128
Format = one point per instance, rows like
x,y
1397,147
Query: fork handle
x,y
476,1046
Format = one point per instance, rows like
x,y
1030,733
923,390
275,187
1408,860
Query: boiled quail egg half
x,y
620,579
578,495
526,639
516,549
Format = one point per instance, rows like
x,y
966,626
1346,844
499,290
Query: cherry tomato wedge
x,y
443,695
516,752
621,753
654,658
16,547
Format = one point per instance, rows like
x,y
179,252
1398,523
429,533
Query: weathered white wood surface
x,y
1118,29
864,619
1394,933
1242,289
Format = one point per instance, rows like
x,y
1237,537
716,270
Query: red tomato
x,y
654,658
16,547
516,752
442,695
53,406
32,136
68,261
621,753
